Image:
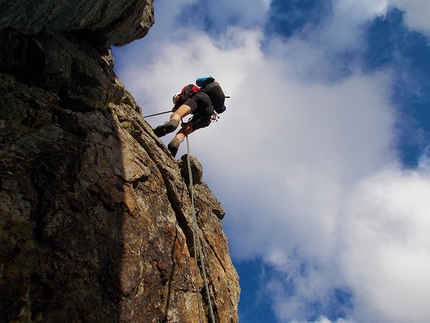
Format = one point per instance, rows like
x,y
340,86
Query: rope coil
x,y
197,243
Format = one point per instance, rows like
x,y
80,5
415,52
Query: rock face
x,y
95,215
113,22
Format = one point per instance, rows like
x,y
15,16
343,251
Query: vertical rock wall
x,y
95,215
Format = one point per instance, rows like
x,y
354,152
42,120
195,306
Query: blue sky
x,y
321,159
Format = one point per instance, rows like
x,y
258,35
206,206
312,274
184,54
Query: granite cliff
x,y
95,214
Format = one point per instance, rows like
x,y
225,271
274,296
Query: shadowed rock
x,y
112,22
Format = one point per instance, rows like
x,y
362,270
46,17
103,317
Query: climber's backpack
x,y
209,86
217,96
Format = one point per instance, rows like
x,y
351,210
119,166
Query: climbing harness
x,y
214,117
197,243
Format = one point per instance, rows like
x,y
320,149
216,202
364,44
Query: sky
x,y
322,159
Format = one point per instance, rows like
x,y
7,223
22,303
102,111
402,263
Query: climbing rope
x,y
197,243
157,114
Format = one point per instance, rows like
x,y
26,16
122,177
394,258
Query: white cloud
x,y
351,13
380,250
223,13
342,31
323,319
318,54
417,13
387,246
303,168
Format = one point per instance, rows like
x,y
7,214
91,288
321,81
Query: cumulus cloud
x,y
224,13
342,31
323,319
347,14
304,167
417,13
387,247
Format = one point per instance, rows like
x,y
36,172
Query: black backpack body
x,y
217,96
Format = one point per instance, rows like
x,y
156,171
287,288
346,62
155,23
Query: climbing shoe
x,y
173,146
166,128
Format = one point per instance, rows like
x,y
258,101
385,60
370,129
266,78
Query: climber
x,y
203,101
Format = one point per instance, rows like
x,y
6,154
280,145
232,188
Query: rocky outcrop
x,y
95,214
111,22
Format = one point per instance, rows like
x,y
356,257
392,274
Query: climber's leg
x,y
173,123
179,137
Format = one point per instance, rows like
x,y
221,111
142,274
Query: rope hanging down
x,y
197,243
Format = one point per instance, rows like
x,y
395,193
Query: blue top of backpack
x,y
203,81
